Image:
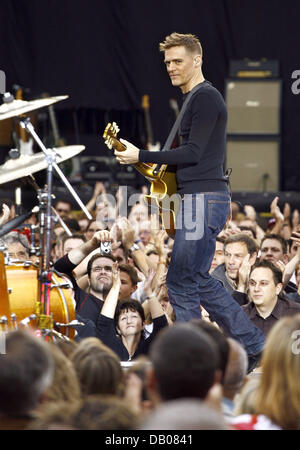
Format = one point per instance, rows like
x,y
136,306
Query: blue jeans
x,y
199,221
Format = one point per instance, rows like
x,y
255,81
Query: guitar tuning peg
x,y
115,127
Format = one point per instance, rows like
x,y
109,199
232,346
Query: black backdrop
x,y
104,55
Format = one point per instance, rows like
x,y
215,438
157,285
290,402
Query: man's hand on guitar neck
x,y
130,155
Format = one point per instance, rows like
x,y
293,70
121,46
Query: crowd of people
x,y
193,329
132,364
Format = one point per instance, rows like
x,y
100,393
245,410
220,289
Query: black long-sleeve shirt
x,y
199,159
106,331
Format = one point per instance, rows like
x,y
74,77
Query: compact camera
x,y
105,248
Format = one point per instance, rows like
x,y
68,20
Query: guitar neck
x,y
117,145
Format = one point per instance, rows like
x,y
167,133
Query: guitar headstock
x,y
110,135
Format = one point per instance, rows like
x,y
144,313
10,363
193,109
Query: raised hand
x,y
280,265
101,236
5,214
116,281
250,212
287,211
159,243
275,210
148,283
244,272
99,189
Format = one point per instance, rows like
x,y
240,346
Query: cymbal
x,y
19,107
26,165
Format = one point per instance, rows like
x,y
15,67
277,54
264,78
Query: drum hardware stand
x,y
45,320
61,286
13,319
4,321
26,321
3,249
56,218
70,324
34,250
5,306
54,334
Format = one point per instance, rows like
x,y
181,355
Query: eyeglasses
x,y
98,269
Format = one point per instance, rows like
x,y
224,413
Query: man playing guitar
x,y
203,188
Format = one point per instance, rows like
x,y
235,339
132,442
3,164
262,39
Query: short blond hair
x,y
189,41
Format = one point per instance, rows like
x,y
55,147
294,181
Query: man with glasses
x,y
99,270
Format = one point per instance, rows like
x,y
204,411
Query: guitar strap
x,y
176,125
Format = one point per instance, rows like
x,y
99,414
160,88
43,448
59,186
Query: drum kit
x,y
31,293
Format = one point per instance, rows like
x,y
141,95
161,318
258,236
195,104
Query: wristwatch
x,y
134,248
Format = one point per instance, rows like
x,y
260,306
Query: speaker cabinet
x,y
254,163
253,106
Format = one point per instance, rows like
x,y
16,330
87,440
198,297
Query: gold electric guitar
x,y
163,191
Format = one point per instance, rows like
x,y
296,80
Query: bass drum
x,y
22,284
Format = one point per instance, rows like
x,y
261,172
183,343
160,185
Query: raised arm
x,y
159,238
99,189
251,214
152,304
110,304
286,227
137,254
5,214
278,216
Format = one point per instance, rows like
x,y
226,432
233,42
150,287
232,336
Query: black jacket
x,y
106,331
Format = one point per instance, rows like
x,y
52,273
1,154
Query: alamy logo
x,y
296,343
2,82
191,220
296,83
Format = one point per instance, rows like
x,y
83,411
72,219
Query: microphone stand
x,y
45,321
